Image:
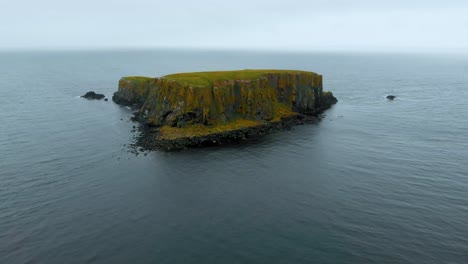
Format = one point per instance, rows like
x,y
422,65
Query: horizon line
x,y
387,50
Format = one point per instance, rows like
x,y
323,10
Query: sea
x,y
375,181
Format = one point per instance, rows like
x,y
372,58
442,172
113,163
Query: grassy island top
x,y
202,79
207,78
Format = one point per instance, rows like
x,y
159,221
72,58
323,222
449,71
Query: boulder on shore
x,y
93,96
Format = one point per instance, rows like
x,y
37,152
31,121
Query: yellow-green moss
x,y
169,133
196,130
137,78
204,79
282,111
135,88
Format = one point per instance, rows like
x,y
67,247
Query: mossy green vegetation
x,y
198,130
205,79
202,103
327,94
134,89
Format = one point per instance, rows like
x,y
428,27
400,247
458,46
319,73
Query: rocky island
x,y
184,110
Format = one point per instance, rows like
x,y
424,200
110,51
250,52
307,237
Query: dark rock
x,y
93,96
106,99
391,97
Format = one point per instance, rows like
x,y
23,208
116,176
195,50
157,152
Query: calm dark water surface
x,y
375,182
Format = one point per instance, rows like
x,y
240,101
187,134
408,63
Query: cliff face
x,y
219,98
133,91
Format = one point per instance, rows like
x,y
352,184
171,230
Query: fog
x,y
294,25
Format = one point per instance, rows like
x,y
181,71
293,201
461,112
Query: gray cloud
x,y
241,24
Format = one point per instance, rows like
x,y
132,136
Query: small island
x,y
185,110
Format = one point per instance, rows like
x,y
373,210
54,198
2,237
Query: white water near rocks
x,y
376,181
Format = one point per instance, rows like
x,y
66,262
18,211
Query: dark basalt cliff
x,y
195,109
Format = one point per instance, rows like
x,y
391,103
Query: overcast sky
x,y
419,25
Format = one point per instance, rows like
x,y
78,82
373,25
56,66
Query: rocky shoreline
x,y
148,138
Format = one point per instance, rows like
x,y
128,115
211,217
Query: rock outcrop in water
x,y
93,96
205,108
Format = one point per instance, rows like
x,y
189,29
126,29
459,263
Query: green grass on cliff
x,y
197,130
202,79
137,78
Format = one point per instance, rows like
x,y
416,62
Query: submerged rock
x,y
391,97
205,108
93,96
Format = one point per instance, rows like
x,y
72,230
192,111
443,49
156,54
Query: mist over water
x,y
376,181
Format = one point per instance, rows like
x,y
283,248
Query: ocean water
x,y
376,181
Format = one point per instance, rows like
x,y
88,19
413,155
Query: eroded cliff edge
x,y
205,108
